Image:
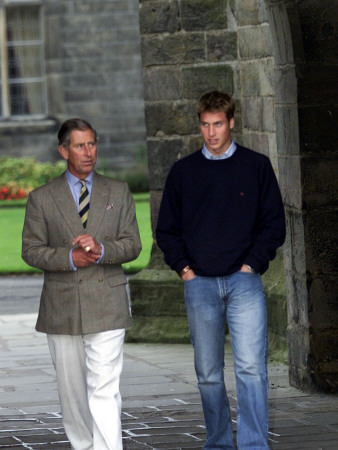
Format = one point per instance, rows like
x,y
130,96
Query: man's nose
x,y
211,130
87,150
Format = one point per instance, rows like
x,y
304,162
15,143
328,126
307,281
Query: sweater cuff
x,y
181,265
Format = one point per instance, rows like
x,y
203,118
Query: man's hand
x,y
88,251
188,275
246,268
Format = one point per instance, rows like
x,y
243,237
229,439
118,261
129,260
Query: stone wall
x,y
93,70
277,58
189,47
312,272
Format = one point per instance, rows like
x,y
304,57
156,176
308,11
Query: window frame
x,y
5,111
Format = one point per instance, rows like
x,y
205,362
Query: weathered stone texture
x,y
320,183
173,49
288,131
259,113
171,118
161,156
162,83
321,231
290,182
203,14
318,128
221,46
246,12
255,42
159,17
257,78
198,80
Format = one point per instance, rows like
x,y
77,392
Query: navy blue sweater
x,y
217,215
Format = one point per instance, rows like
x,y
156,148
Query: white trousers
x,y
88,372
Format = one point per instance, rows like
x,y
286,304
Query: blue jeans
x,y
239,300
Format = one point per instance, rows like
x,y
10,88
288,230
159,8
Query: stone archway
x,y
306,98
258,51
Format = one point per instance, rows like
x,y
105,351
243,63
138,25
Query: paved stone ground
x,y
161,405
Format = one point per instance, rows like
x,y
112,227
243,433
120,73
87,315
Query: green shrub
x,y
27,173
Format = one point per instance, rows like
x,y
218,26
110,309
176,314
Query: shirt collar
x,y
230,151
72,179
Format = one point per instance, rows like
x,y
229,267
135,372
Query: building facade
x,y
71,58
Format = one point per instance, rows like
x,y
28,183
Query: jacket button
x,y
65,241
106,238
80,282
100,280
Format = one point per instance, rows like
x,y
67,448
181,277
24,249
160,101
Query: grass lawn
x,y
11,223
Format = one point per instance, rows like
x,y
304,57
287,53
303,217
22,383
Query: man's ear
x,y
63,152
232,123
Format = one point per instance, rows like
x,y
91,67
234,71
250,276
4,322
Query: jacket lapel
x,y
98,202
63,198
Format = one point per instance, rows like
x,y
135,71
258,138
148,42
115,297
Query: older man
x,y
79,229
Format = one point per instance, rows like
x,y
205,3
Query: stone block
x,y
274,287
320,184
287,130
293,249
257,78
258,142
290,181
321,231
164,329
255,42
318,132
282,44
162,83
157,302
161,156
258,113
52,30
55,94
159,17
323,311
156,259
198,80
203,14
102,7
299,347
173,49
268,118
166,298
319,22
316,84
221,46
195,143
297,294
323,358
246,12
170,118
286,85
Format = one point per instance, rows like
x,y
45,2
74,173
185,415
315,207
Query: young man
x,y
220,222
79,229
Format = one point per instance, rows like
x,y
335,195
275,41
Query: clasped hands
x,y
86,250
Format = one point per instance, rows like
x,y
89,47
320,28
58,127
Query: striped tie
x,y
84,203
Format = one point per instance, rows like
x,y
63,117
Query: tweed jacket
x,y
91,299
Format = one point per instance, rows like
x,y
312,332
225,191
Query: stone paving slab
x,y
161,404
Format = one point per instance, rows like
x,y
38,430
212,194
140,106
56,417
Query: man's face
x,y
81,153
216,131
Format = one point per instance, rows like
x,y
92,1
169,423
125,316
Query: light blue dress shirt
x,y
231,150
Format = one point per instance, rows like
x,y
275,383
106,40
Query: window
x,y
23,85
